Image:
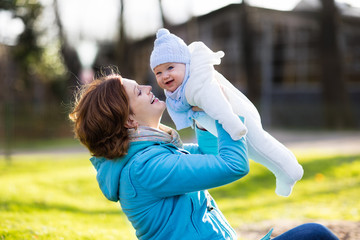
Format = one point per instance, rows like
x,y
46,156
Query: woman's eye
x,y
139,93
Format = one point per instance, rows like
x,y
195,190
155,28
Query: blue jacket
x,y
162,189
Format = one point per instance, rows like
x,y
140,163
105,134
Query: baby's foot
x,y
285,184
283,189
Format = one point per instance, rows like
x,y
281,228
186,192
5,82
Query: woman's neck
x,y
155,125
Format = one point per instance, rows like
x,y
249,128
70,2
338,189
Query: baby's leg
x,y
266,150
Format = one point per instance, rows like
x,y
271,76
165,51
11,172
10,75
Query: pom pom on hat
x,y
168,48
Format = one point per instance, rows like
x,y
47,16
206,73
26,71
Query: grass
x,y
329,190
46,196
56,196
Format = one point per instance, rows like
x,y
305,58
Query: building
x,y
286,59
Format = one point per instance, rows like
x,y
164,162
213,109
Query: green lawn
x,y
56,196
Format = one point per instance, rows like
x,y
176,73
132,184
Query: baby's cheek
x,y
160,84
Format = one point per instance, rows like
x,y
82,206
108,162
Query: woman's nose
x,y
147,88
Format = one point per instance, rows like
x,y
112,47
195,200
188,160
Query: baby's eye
x,y
158,73
171,67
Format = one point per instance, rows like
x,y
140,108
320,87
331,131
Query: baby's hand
x,y
196,109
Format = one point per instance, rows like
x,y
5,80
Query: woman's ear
x,y
131,122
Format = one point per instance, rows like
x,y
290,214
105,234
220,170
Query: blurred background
x,y
297,61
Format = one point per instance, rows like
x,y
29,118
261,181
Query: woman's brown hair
x,y
99,115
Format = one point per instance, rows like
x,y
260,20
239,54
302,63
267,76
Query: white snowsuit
x,y
220,100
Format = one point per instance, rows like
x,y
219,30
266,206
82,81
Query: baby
x,y
187,75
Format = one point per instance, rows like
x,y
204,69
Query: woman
x,y
160,183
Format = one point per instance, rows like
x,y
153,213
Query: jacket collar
x,y
109,170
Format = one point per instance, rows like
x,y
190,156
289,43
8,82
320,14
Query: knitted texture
x,y
168,48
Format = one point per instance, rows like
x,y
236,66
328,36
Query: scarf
x,y
164,134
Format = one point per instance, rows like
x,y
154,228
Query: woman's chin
x,y
160,105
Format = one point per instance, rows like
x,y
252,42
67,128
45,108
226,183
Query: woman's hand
x,y
196,109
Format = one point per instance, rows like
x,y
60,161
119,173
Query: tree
x,y
123,49
31,73
335,97
7,72
165,22
71,59
247,56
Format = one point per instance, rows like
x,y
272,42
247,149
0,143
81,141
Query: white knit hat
x,y
168,48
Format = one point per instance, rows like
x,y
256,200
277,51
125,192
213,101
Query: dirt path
x,y
335,142
332,142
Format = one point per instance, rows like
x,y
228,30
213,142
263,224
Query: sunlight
x,y
10,28
99,19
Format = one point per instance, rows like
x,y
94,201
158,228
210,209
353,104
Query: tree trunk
x,y
336,101
7,76
123,51
165,23
70,56
248,58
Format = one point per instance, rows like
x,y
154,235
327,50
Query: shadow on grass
x,y
327,165
263,179
277,202
16,206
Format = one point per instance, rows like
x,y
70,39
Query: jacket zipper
x,y
227,228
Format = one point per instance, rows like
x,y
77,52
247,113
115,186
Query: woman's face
x,y
147,109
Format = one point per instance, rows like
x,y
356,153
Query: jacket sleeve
x,y
207,143
165,173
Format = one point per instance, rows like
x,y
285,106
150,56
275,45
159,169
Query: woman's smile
x,y
147,108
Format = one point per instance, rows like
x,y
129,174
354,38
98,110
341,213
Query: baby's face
x,y
170,76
